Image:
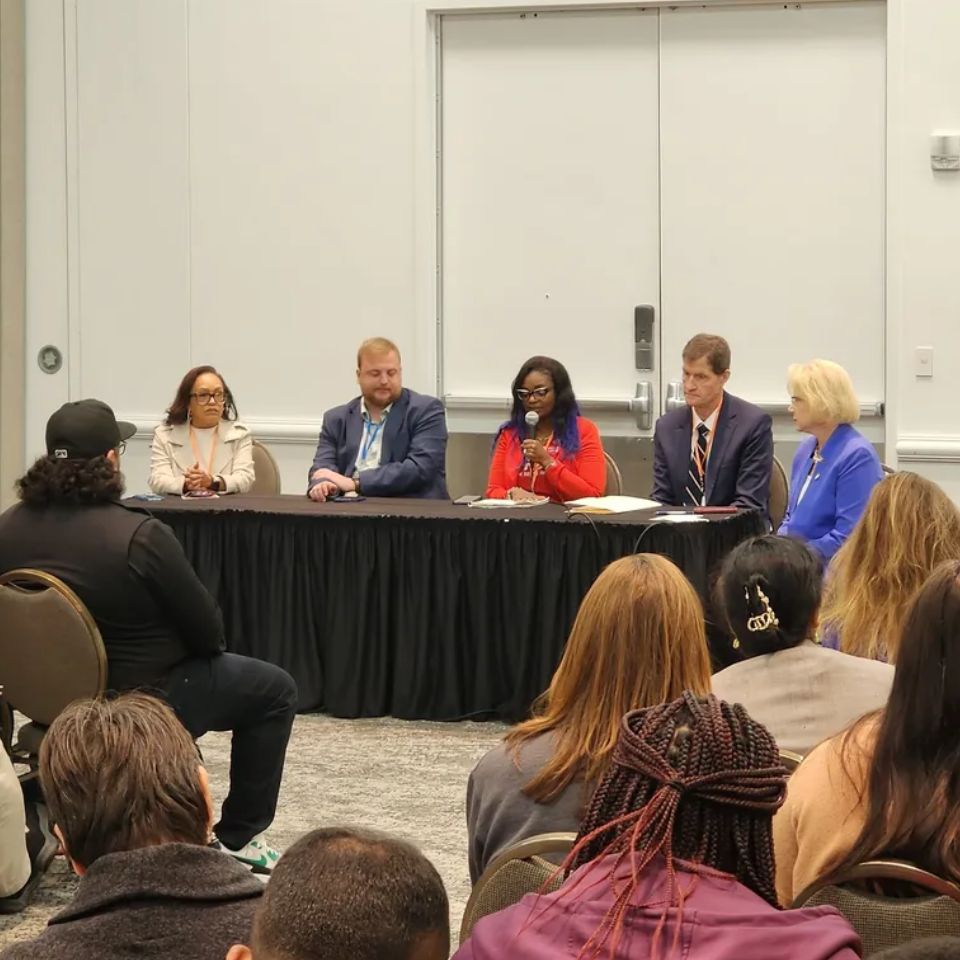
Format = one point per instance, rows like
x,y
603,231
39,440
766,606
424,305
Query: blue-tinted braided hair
x,y
565,408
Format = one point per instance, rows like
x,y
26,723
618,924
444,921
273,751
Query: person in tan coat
x,y
888,787
201,447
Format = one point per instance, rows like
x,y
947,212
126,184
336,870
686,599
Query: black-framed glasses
x,y
204,398
121,446
539,393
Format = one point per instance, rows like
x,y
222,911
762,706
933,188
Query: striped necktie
x,y
697,472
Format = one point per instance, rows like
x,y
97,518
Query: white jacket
x,y
171,455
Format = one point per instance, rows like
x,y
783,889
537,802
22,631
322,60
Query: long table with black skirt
x,y
415,608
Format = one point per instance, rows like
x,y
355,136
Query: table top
x,y
403,508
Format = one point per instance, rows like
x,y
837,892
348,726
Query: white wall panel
x,y
301,192
773,126
132,200
925,96
46,215
550,197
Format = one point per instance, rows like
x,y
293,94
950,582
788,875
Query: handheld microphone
x,y
532,419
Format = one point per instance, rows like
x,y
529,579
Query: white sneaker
x,y
257,854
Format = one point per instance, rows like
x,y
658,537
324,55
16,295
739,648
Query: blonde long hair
x,y
910,526
638,641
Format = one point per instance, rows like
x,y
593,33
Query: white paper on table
x,y
614,504
492,502
683,518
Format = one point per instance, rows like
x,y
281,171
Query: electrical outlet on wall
x,y
923,362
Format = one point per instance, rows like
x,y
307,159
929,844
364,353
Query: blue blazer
x,y
838,492
741,458
413,453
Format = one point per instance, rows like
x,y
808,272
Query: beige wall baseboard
x,y
12,243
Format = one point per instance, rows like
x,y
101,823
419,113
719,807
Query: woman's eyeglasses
x,y
539,393
205,399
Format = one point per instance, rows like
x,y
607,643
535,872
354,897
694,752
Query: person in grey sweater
x,y
801,692
638,640
132,808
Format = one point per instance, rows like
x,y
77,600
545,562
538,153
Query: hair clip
x,y
765,620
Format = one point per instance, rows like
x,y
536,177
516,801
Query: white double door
x,y
723,166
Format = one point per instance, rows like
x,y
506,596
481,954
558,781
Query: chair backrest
x,y
779,492
520,869
266,472
614,485
889,902
887,471
51,652
791,760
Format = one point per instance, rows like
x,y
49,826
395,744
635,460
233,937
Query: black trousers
x,y
255,700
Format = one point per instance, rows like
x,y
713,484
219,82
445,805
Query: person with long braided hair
x,y
674,856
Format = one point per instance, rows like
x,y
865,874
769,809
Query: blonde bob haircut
x,y
909,528
638,641
827,390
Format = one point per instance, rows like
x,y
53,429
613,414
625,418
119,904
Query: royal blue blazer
x,y
738,471
838,491
413,454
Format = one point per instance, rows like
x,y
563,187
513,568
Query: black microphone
x,y
532,419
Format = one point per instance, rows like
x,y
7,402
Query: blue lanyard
x,y
371,431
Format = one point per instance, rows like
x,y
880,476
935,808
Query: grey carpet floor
x,y
406,778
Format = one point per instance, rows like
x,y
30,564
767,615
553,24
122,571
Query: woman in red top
x,y
564,458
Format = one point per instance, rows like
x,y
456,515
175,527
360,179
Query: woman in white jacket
x,y
201,445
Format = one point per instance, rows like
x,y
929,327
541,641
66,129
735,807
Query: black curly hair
x,y
50,481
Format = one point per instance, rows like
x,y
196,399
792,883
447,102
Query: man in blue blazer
x,y
718,450
388,442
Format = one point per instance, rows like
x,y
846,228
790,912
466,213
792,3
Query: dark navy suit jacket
x,y
741,457
838,492
413,453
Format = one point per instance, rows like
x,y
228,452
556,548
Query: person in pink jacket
x,y
674,857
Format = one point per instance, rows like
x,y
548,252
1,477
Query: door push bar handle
x,y
674,399
642,405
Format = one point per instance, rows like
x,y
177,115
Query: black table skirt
x,y
413,609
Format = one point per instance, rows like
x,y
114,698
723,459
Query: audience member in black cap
x,y
161,628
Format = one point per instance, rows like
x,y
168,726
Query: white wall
x,y
161,134
226,182
924,237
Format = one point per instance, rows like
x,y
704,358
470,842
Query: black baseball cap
x,y
84,429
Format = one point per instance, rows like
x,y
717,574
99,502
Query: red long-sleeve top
x,y
569,478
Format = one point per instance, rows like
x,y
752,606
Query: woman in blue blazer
x,y
836,468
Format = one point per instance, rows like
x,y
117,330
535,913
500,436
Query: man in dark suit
x,y
718,450
388,442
